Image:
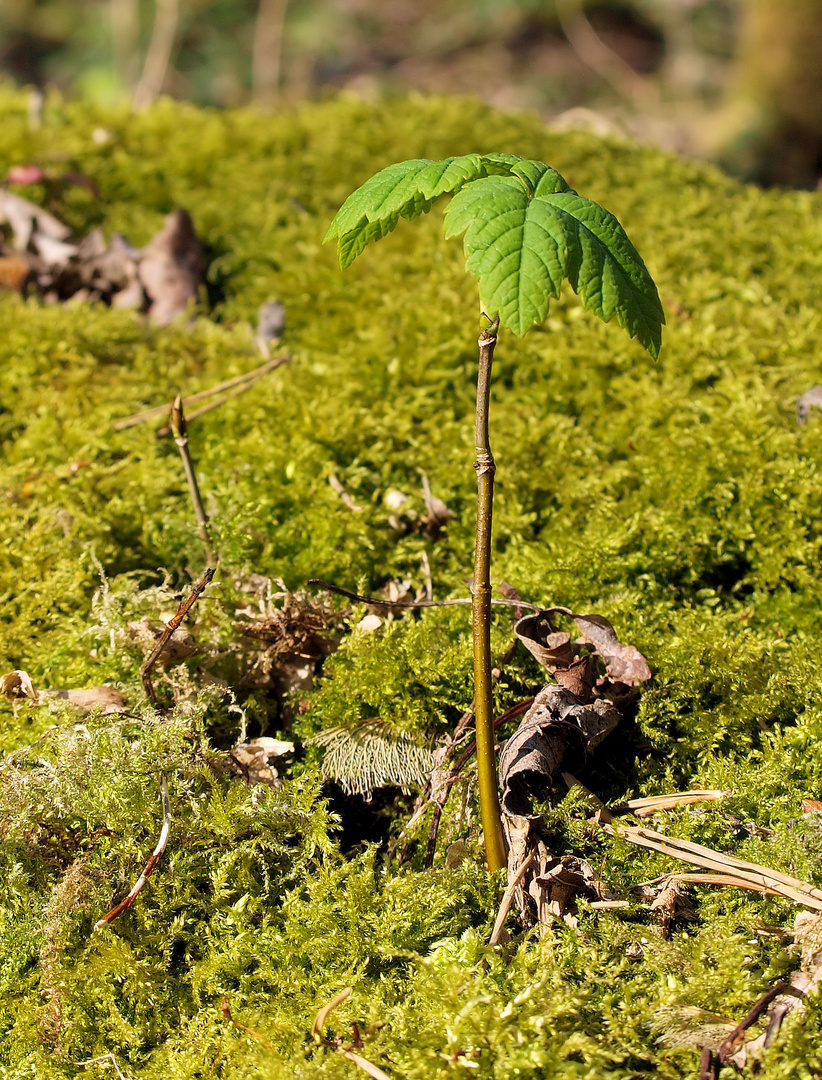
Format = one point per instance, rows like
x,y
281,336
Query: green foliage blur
x,y
513,53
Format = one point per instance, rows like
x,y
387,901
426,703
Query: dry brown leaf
x,y
557,730
545,886
573,663
106,698
251,759
172,268
23,217
17,686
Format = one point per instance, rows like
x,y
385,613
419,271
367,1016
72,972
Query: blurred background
x,y
736,81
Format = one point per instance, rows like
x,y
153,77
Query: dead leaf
x,y
23,217
549,886
55,252
251,759
571,663
172,268
558,729
17,685
805,403
672,903
106,698
15,272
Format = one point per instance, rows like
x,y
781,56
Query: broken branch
x,y
336,1044
151,865
249,379
171,626
467,601
227,1014
178,426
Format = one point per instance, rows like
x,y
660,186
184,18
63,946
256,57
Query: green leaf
x,y
525,232
405,189
520,248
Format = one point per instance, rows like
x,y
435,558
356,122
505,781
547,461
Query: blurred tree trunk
x,y
125,40
158,56
267,51
773,120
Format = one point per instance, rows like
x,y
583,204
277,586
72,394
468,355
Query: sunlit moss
x,y
681,500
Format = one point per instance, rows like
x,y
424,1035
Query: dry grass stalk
x,y
151,865
241,382
171,626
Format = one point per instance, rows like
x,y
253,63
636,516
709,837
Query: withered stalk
x,y
151,865
179,430
171,626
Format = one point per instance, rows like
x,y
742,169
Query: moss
x,y
681,500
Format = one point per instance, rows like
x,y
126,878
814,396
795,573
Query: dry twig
x,y
508,898
227,1014
178,426
103,1057
376,602
241,382
336,1044
336,484
171,626
151,865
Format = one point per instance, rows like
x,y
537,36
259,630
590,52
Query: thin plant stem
x,y
249,377
158,56
151,865
481,613
172,624
178,427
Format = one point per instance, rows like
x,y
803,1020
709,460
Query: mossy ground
x,y
680,500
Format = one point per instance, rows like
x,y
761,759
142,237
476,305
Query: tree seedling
x,y
525,232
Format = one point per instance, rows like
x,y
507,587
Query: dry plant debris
x,y
17,687
150,866
163,279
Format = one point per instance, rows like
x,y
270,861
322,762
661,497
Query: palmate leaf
x,y
525,232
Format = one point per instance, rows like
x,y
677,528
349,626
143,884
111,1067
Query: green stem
x,y
481,612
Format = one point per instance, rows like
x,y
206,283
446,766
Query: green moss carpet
x,y
681,500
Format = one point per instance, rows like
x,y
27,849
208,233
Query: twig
x,y
335,483
593,52
250,377
103,1057
151,865
178,426
426,572
508,898
336,1044
227,1014
712,1062
158,56
466,601
171,626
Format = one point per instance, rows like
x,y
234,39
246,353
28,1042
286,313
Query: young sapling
x,y
525,231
